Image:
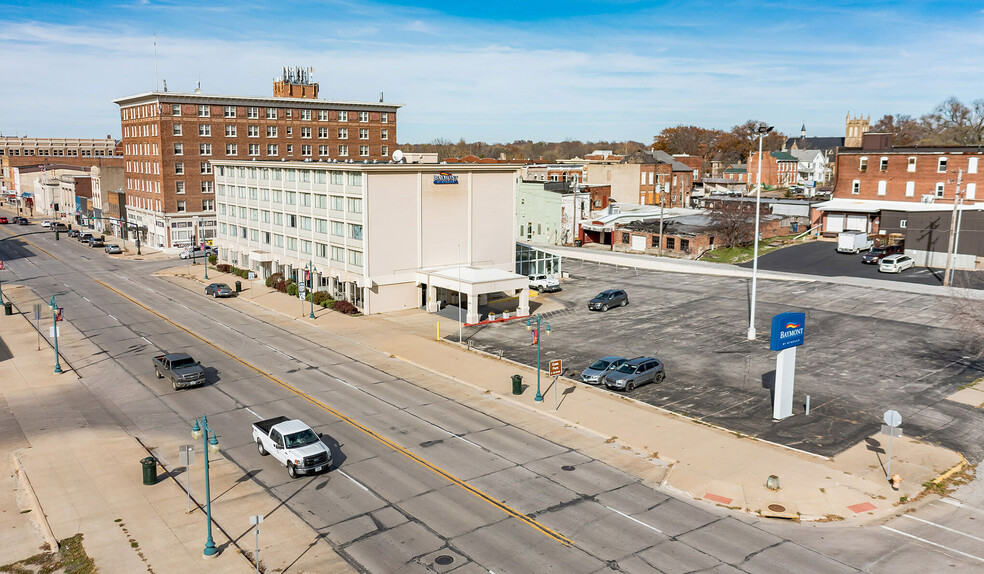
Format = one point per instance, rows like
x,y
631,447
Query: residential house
x,y
779,169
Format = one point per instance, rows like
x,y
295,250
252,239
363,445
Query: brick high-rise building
x,y
170,138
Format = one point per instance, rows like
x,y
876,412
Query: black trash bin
x,y
517,384
577,243
149,470
8,308
239,286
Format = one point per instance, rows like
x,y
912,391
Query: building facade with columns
x,y
384,236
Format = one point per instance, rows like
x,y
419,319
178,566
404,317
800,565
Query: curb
x,y
37,511
957,468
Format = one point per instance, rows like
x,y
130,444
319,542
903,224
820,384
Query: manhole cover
x,y
567,467
777,508
443,560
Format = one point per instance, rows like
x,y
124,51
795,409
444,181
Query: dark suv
x,y
876,254
635,373
607,299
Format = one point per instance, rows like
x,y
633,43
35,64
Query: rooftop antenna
x,y
157,80
165,85
380,96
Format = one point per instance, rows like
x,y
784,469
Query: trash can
x,y
517,384
239,286
149,470
577,243
8,308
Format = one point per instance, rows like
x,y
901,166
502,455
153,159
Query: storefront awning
x,y
261,256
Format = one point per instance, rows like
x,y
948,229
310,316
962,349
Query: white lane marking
x,y
924,541
944,527
958,504
451,434
254,413
86,298
67,285
345,383
113,318
146,339
359,484
183,305
634,519
227,326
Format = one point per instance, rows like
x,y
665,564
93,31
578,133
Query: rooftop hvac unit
x,y
928,198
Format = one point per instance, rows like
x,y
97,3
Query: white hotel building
x,y
383,236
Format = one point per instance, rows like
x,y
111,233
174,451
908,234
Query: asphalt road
x,y
382,510
866,351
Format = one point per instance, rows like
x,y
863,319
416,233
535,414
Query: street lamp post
x,y
209,444
54,321
529,327
311,269
762,130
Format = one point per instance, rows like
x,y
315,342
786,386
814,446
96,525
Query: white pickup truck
x,y
293,443
544,283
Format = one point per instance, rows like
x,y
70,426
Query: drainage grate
x,y
567,467
777,508
443,560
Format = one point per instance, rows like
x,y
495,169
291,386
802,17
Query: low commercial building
x,y
384,237
685,236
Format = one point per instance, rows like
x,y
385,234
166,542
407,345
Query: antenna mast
x,y
157,80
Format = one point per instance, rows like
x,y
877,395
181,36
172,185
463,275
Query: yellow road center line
x,y
423,462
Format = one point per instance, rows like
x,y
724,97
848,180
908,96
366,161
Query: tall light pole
x,y
529,327
54,321
310,269
209,444
762,130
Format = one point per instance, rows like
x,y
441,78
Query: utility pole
x,y
953,232
661,205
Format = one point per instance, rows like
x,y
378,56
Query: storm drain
x,y
443,560
777,508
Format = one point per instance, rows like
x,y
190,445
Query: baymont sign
x,y
788,330
445,177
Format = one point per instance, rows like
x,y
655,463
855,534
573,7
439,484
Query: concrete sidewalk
x,y
706,463
69,463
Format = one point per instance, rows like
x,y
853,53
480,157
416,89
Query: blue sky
x,y
501,71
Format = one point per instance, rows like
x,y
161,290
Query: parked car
x,y
294,444
598,369
3,220
896,263
84,237
876,254
190,252
73,232
22,221
46,223
113,249
607,299
218,290
59,226
96,242
635,373
181,369
544,283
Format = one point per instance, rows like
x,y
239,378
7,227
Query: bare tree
x,y
733,223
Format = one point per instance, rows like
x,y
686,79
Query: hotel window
x,y
883,164
355,231
337,202
266,237
323,115
338,228
305,114
355,205
384,117
230,131
253,131
264,216
205,149
254,214
321,250
253,193
176,129
271,149
253,113
940,186
205,168
343,116
204,130
343,150
305,199
337,253
179,168
175,110
911,168
384,134
355,258
242,213
254,149
271,113
292,241
306,223
178,149
207,186
321,225
208,205
278,218
384,151
305,246
230,111
363,150
343,133
323,133
337,178
363,133
204,111
222,209
320,201
254,235
181,205
355,178
278,240
863,164
323,150
179,187
230,149
856,186
271,131
291,195
363,117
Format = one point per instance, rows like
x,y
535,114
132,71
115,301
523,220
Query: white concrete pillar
x,y
483,299
472,316
524,303
433,305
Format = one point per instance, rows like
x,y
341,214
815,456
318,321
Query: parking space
x,y
821,258
867,350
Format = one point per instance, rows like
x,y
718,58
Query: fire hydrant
x,y
896,481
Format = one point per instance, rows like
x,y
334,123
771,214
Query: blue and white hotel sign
x,y
787,331
445,177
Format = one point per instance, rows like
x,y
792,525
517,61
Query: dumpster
x,y
239,286
517,381
149,470
8,308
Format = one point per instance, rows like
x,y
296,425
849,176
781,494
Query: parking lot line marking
x,y
357,483
909,516
113,318
931,543
146,339
634,519
346,383
379,437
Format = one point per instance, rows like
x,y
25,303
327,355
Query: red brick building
x,y
686,236
169,139
779,169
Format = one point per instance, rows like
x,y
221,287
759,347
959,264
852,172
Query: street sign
x,y
891,431
186,454
251,276
301,291
51,331
556,368
254,520
892,418
37,311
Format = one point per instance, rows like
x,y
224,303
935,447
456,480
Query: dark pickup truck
x,y
181,369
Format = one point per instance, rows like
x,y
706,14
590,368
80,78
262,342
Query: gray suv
x,y
598,369
635,373
607,299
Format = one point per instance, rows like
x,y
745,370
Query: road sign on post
x,y
186,457
556,368
892,419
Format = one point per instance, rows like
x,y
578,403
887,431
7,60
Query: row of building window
x,y
57,152
297,245
670,242
302,175
293,221
277,196
941,164
205,111
970,189
231,131
273,150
